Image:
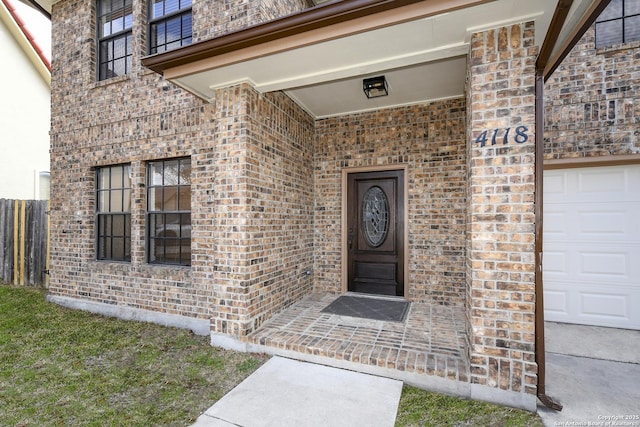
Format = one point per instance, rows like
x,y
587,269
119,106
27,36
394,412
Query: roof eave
x,y
314,18
26,41
559,51
39,7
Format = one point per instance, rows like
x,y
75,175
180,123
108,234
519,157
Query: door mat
x,y
369,308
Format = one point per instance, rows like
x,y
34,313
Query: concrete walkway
x,y
594,373
285,392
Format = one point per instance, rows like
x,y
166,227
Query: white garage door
x,y
591,259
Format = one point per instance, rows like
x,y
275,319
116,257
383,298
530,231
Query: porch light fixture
x,y
375,87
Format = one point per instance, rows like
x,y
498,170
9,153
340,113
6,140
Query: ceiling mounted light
x,y
375,87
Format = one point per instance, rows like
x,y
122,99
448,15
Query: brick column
x,y
501,225
263,213
231,265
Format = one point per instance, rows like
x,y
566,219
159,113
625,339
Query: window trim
x,y
111,37
98,214
149,212
164,18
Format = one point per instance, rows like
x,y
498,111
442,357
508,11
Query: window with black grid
x,y
113,213
618,23
169,25
169,211
115,19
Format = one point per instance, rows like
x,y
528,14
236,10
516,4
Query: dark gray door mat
x,y
369,308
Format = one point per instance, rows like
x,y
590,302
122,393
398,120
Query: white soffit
x,y
423,60
408,85
45,4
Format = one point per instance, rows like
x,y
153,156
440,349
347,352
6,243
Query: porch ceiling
x,y
420,46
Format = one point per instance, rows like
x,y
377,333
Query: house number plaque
x,y
518,135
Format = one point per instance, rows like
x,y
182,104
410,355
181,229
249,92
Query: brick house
x,y
213,165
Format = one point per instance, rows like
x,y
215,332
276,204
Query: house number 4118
x,y
519,135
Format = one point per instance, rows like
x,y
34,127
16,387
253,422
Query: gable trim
x,y
25,40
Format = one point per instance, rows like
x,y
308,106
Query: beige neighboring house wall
x,y
24,113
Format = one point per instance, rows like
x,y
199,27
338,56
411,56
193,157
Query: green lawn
x,y
67,367
423,408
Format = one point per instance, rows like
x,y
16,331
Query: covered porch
x,y
458,119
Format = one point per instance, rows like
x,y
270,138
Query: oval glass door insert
x,y
375,216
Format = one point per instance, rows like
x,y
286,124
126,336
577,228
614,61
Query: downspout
x,y
546,63
557,22
539,168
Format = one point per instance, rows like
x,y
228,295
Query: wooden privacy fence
x,y
24,236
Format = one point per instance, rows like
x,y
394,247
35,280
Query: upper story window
x,y
169,25
115,19
618,23
169,211
113,213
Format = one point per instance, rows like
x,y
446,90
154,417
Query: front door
x,y
375,232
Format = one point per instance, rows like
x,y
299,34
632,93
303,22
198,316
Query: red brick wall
x,y
131,118
264,208
592,102
220,17
134,119
429,139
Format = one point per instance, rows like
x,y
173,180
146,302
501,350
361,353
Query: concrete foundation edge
x,y
197,326
427,382
513,399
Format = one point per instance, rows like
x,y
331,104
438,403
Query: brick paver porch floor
x,y
431,340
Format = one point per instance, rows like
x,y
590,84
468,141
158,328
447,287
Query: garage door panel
x,y
611,306
555,225
602,180
605,223
561,262
593,217
592,262
555,186
604,265
573,302
609,222
616,183
556,263
556,304
591,258
561,302
605,306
